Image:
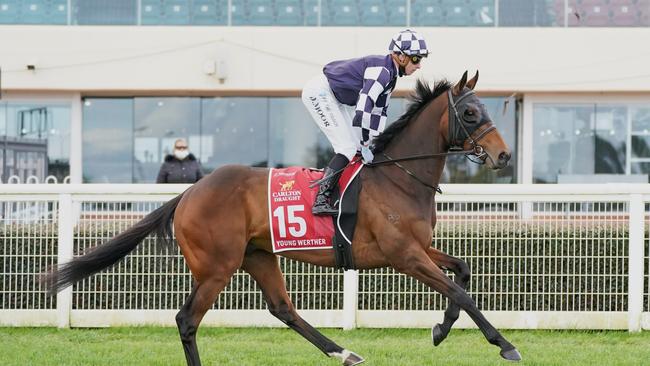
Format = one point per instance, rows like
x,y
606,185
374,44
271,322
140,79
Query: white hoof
x,y
348,358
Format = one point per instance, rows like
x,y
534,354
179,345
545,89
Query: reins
x,y
455,149
418,157
476,149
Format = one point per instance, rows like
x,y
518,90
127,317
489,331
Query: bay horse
x,y
222,222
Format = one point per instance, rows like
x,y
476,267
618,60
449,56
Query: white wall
x,y
116,59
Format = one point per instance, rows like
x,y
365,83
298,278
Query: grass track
x,y
264,346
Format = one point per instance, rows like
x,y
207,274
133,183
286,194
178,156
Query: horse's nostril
x,y
504,157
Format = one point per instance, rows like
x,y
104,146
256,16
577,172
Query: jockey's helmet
x,y
410,43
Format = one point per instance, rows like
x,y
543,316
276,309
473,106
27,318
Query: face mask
x,y
181,154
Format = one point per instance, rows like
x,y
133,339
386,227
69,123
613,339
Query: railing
x,y
542,256
419,13
33,179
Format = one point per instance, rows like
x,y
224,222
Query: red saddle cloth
x,y
293,226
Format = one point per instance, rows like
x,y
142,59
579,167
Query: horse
x,y
221,223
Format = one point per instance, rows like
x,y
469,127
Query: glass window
x,y
459,169
640,168
640,119
40,136
589,139
522,13
125,140
563,141
294,137
641,146
610,139
340,13
158,123
614,13
97,12
640,140
3,119
107,140
234,131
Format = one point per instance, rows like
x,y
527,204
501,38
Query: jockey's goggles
x,y
415,59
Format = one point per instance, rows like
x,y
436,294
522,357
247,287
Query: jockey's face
x,y
410,67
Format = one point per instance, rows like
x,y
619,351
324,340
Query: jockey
x,y
348,102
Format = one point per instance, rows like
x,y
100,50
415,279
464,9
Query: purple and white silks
x,y
367,84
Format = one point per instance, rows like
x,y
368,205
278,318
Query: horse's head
x,y
469,127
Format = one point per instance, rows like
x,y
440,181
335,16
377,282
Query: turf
x,y
264,346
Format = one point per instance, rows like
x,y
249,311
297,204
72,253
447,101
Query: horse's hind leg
x,y
196,305
213,279
462,275
264,268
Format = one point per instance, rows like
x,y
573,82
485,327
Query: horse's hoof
x,y
511,355
353,359
436,335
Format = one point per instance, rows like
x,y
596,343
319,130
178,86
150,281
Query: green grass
x,y
264,346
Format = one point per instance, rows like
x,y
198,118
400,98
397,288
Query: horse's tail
x,y
107,254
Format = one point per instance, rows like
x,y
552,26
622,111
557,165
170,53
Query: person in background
x,y
181,166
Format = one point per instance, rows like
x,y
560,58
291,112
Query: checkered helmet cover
x,y
410,42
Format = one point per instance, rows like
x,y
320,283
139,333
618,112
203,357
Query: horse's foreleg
x,y
418,265
462,275
264,268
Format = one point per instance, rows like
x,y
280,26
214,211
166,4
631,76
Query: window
x,y
234,131
564,141
294,137
126,139
526,13
158,123
96,12
640,140
590,142
35,140
610,135
107,140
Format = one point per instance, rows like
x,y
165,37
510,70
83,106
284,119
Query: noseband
x,y
456,145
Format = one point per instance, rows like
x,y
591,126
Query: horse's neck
x,y
421,136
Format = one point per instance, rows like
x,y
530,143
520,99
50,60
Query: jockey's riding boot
x,y
322,204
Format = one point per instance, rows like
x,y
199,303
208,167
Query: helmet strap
x,y
400,63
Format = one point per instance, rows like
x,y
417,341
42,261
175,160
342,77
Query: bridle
x,y
457,126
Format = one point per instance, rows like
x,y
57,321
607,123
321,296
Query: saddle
x,y
292,225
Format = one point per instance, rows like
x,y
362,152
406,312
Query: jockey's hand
x,y
366,153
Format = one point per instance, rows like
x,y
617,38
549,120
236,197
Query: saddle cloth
x,y
292,225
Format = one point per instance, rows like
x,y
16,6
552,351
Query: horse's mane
x,y
421,96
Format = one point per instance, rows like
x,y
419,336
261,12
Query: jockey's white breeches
x,y
332,117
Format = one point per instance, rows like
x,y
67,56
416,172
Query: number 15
x,y
291,219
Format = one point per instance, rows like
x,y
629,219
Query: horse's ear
x,y
472,83
458,88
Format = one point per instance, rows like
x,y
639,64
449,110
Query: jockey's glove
x,y
367,154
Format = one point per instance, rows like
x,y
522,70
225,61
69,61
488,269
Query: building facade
x,y
98,91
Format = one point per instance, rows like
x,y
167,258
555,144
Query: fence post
x,y
635,263
350,298
64,297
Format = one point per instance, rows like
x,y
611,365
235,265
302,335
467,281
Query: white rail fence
x,y
542,256
33,179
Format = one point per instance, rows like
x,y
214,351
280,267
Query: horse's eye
x,y
469,116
